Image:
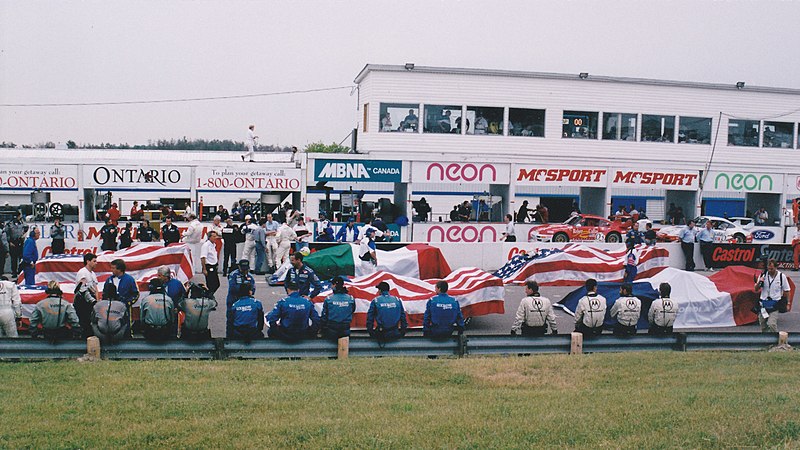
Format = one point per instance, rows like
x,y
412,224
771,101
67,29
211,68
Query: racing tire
x,y
739,238
560,237
614,238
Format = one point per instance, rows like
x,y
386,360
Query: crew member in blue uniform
x,y
386,317
303,277
247,315
337,312
294,317
442,314
29,257
235,280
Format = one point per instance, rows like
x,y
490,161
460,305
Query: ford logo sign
x,y
763,235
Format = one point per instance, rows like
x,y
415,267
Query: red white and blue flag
x,y
572,264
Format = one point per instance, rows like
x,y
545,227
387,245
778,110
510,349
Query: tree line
x,y
187,144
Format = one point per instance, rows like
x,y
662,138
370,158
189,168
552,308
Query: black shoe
x,y
242,157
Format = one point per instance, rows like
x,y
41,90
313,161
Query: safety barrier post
x,y
343,350
93,346
783,338
219,349
462,345
680,342
576,345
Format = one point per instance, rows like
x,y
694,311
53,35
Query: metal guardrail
x,y
36,349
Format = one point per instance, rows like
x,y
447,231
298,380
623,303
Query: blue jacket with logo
x,y
305,278
442,316
386,312
338,308
127,290
235,281
294,312
248,312
175,290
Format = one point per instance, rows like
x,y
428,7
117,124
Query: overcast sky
x,y
99,51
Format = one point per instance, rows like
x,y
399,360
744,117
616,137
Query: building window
x,y
579,124
658,128
778,134
743,133
483,120
399,117
366,114
441,118
526,122
619,127
694,130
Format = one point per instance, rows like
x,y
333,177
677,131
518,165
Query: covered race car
x,y
581,228
724,231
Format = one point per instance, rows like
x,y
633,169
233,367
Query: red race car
x,y
581,227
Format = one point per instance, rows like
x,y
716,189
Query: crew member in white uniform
x,y
249,252
626,310
250,144
285,237
272,242
663,312
10,308
535,313
591,311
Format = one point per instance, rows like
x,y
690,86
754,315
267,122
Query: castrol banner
x,y
658,179
30,177
247,179
459,172
532,175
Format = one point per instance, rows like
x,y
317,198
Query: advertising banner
x,y
459,172
392,235
30,177
531,175
247,179
657,179
793,185
743,182
751,255
110,176
350,170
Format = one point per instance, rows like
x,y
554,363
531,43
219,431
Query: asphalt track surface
x,y
493,323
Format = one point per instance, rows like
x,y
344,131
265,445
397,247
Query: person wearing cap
x,y
173,287
348,233
294,317
284,237
197,307
29,257
157,313
591,311
10,308
663,312
626,311
236,279
367,253
55,315
442,314
109,234
535,313
304,277
247,315
337,312
249,251
109,318
386,317
169,232
208,259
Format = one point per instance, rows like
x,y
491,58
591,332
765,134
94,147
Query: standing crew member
x,y
113,214
29,257
3,247
86,293
249,251
57,232
208,257
774,298
591,311
110,320
386,317
126,236
687,238
649,234
169,232
304,277
236,279
271,228
260,238
15,231
229,234
250,143
109,234
442,314
247,315
626,311
663,312
127,291
337,312
285,237
294,317
535,313
510,235
348,233
10,308
795,247
56,316
146,233
367,253
706,238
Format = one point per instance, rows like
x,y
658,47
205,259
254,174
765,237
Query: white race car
x,y
724,230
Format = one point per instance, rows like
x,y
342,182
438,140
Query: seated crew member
x,y
591,311
303,277
337,312
196,308
294,317
386,317
535,313
247,315
663,312
626,311
157,313
109,319
235,280
55,315
442,314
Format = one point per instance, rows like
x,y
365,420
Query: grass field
x,y
638,400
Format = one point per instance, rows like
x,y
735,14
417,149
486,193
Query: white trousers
x,y
8,323
272,252
283,251
249,252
